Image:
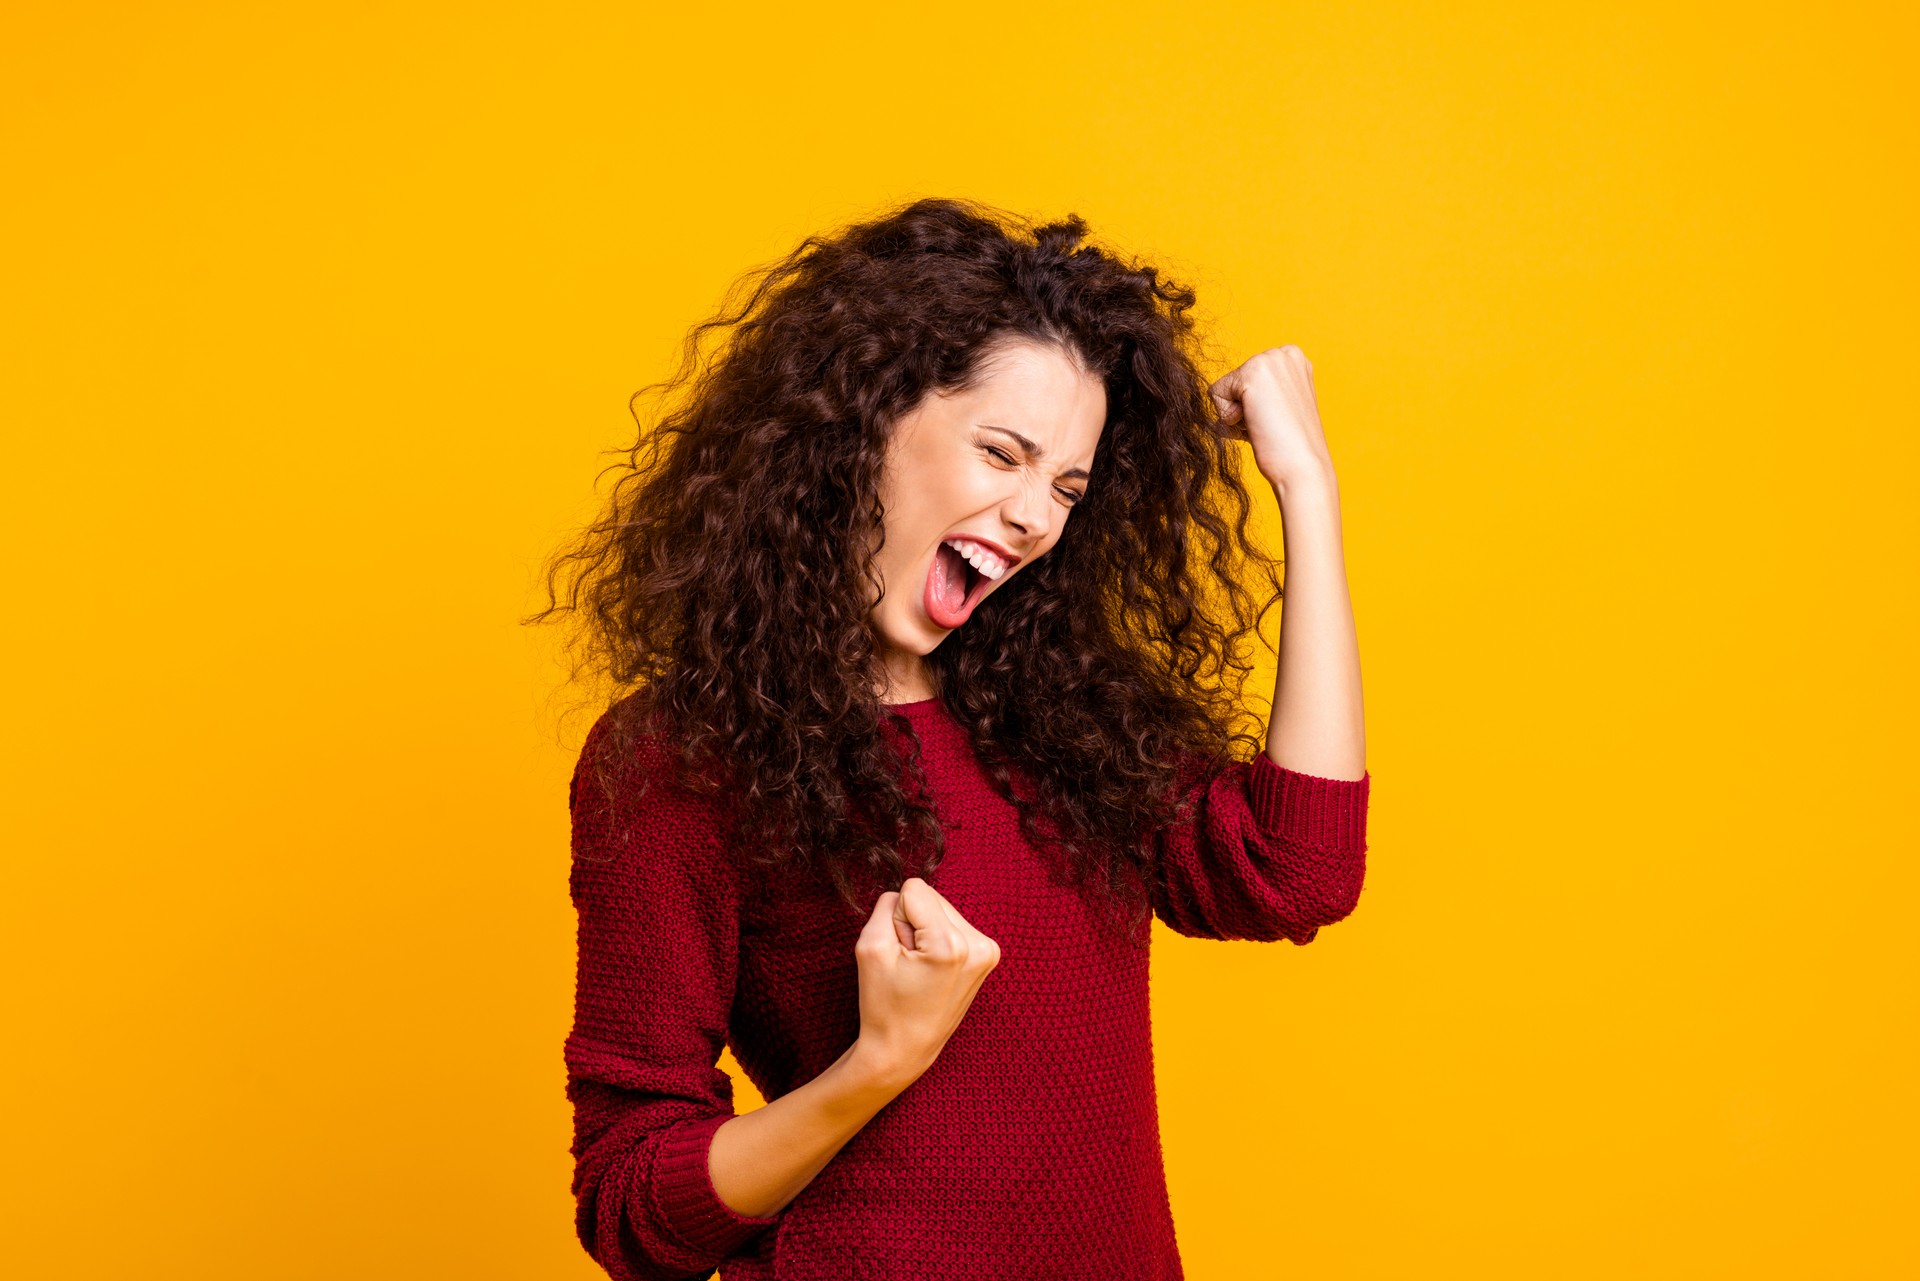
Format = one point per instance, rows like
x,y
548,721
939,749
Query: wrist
x,y
1307,484
874,1070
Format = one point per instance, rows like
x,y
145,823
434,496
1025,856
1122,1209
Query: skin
x,y
920,962
920,965
1318,725
946,474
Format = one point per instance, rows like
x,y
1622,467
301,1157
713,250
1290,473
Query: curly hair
x,y
724,592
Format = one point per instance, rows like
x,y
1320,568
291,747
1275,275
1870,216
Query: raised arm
x,y
1318,725
1277,846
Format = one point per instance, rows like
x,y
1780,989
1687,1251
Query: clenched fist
x,y
920,965
1269,403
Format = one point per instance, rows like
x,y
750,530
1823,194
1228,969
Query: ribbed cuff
x,y
1305,809
684,1195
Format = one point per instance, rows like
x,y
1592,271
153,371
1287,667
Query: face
x,y
998,467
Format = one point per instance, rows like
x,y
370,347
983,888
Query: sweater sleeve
x,y
657,902
1265,853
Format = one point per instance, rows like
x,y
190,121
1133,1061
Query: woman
x,y
925,611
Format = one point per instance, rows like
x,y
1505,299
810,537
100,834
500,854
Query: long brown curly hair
x,y
724,592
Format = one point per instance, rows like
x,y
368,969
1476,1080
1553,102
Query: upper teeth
x,y
979,557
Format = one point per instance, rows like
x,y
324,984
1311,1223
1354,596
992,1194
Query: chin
x,y
914,636
926,639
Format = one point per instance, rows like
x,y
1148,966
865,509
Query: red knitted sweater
x,y
1030,1148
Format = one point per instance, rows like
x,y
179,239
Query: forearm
x,y
1317,726
761,1160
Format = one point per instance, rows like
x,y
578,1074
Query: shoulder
x,y
631,797
625,754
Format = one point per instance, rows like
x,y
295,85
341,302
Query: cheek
x,y
896,565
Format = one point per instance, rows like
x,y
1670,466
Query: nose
x,y
1029,512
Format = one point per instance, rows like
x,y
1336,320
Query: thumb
x,y
1225,393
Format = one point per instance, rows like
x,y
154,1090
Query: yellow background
x,y
318,317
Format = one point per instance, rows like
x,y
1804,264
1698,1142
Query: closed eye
x,y
1073,499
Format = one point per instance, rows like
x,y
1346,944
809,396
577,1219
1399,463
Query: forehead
x,y
1040,392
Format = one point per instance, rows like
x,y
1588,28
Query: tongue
x,y
946,590
949,579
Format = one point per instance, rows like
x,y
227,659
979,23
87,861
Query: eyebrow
x,y
1036,453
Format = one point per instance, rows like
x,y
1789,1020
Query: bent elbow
x,y
647,1209
1324,890
1338,890
615,1228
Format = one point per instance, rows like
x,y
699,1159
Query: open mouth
x,y
954,587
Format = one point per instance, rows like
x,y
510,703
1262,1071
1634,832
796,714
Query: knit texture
x,y
1030,1148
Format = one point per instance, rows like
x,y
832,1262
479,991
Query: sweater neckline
x,y
917,705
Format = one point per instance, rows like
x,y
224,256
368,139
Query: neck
x,y
905,682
